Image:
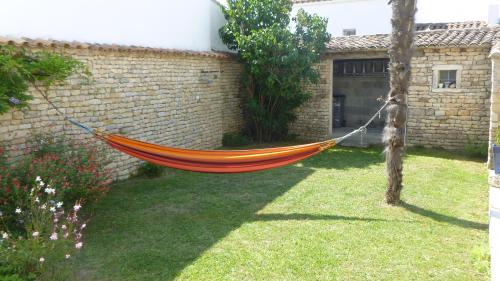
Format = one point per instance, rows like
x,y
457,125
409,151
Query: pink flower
x,y
53,236
79,245
77,207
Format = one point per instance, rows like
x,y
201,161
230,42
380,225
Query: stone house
x,y
449,96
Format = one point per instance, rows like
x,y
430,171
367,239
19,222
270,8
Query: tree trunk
x,y
400,53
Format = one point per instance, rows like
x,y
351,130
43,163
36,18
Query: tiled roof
x,y
450,25
468,37
27,42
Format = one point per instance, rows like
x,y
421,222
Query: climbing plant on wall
x,y
278,60
21,68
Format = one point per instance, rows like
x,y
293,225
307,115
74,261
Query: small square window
x,y
447,79
349,32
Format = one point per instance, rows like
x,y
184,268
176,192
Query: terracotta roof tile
x,y
450,25
27,42
468,37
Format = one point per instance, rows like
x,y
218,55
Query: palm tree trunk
x,y
400,53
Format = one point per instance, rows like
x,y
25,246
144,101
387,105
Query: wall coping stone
x,y
50,43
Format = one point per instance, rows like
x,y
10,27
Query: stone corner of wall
x,y
493,179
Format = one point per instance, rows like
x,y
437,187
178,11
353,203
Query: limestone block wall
x,y
448,117
495,99
314,120
176,99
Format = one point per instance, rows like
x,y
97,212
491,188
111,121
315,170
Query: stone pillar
x,y
495,98
494,180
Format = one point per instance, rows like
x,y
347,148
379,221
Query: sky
x,y
453,10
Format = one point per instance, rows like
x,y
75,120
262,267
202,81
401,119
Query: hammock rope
x,y
214,161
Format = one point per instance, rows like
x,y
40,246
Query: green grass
x,y
321,219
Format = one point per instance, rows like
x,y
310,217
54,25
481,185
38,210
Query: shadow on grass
x,y
153,229
295,217
443,218
344,158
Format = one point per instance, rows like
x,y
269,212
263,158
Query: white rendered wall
x,y
366,16
217,20
153,23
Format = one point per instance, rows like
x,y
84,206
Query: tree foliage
x,y
278,61
20,68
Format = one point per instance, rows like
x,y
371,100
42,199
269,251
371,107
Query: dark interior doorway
x,y
359,87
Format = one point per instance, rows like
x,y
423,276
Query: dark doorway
x,y
359,85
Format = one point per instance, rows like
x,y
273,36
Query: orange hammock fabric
x,y
215,161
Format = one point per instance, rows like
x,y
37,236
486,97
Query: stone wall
x,y
437,117
494,100
448,117
176,99
314,120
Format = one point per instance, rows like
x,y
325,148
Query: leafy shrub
x,y
234,139
20,68
75,170
150,170
278,61
52,235
476,148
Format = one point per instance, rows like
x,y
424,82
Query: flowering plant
x,y
51,235
76,170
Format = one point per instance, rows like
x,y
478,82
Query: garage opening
x,y
359,88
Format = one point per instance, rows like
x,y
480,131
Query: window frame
x,y
435,77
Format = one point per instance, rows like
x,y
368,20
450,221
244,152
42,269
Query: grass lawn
x,y
321,219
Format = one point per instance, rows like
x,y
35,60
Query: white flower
x,y
83,226
43,207
59,204
18,210
50,190
42,259
1,214
66,235
53,236
36,233
77,207
63,227
67,256
37,200
52,209
5,235
79,245
38,179
41,183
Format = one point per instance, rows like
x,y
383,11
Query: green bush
x,y
150,170
278,61
77,172
20,69
476,148
234,140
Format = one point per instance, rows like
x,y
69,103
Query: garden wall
x,y
447,118
182,99
314,117
444,118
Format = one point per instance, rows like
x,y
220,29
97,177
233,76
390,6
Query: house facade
x,y
449,96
